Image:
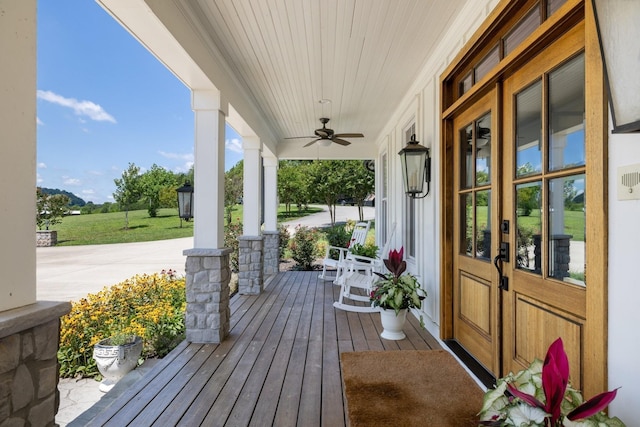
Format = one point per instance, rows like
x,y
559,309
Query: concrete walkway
x,y
68,273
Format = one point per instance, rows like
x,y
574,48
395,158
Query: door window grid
x,y
475,191
550,197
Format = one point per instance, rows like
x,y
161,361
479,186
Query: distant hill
x,y
75,200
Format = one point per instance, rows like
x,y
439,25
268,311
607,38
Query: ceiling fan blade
x,y
349,135
340,141
322,133
298,137
308,144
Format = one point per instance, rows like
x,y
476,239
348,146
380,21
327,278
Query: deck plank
x,y
279,366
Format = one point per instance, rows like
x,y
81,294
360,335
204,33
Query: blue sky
x,y
103,102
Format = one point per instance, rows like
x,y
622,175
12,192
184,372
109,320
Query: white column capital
x,y
270,161
251,143
209,99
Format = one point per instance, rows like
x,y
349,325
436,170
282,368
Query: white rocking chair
x,y
358,236
359,272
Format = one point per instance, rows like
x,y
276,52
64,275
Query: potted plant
x,y
395,293
115,357
542,396
366,250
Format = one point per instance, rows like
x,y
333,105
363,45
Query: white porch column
x,y
208,272
251,243
210,111
252,185
271,232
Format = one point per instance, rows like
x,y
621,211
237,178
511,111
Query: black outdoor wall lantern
x,y
185,202
416,168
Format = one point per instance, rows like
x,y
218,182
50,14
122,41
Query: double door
x,y
519,269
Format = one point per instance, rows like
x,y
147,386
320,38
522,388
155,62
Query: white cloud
x,y
234,145
42,165
39,122
39,178
70,181
88,192
81,108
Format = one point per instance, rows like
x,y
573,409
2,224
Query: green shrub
x,y
368,249
339,236
150,306
284,240
231,233
304,250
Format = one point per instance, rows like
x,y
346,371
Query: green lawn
x,y
101,228
574,222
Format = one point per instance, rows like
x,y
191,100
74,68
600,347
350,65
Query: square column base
x,y
207,279
250,265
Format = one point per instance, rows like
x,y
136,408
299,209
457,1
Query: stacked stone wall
x,y
271,252
250,265
46,238
207,279
29,369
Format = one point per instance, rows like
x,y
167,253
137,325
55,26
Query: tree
x,y
128,190
293,183
359,182
152,183
233,188
50,208
326,183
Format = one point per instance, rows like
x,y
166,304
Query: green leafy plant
x,y
149,306
304,250
368,250
542,396
283,243
396,291
231,233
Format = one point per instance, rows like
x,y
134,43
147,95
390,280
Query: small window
x,y
490,60
521,31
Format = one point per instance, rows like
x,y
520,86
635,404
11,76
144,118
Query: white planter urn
x,y
392,325
116,361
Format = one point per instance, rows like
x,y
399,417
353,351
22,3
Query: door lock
x,y
504,251
503,256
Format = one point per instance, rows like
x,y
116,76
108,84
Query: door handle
x,y
503,256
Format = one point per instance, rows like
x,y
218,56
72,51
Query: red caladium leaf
x,y
555,377
593,405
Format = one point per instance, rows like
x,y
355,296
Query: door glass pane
x,y
483,150
529,130
566,115
567,229
466,224
483,224
466,153
529,226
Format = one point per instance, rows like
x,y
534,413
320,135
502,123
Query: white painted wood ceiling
x,y
363,55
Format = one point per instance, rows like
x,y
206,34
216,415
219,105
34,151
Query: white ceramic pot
x,y
116,361
392,325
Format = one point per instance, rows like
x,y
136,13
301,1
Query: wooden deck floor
x,y
280,365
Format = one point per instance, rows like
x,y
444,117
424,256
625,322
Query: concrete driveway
x,y
68,273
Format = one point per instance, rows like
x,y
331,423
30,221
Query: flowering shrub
x,y
284,240
303,247
150,306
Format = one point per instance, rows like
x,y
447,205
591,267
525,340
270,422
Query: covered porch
x,y
280,364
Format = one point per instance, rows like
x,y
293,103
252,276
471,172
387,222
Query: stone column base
x,y
271,252
250,265
29,370
207,279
